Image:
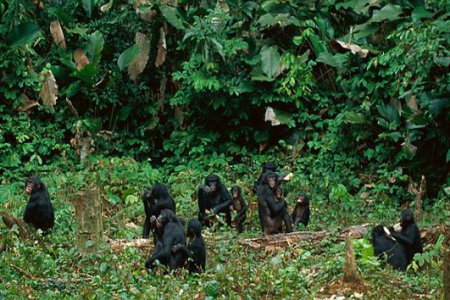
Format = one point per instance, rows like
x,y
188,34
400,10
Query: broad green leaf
x,y
355,118
22,34
172,16
420,13
336,61
388,12
89,6
125,112
270,60
94,47
128,56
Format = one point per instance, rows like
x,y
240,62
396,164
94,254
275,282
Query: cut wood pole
x,y
418,191
350,269
88,217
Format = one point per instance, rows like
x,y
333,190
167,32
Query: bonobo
x,y
266,167
172,234
384,246
272,211
39,211
279,195
196,250
409,235
155,201
214,196
301,211
240,206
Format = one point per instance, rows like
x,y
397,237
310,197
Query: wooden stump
x,y
350,269
418,191
88,216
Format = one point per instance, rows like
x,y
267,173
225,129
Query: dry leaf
x,y
162,48
147,14
72,108
271,116
49,90
57,34
137,66
355,49
80,58
412,103
28,104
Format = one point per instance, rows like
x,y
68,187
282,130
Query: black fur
x,y
196,250
173,234
266,167
216,201
155,201
409,236
240,206
272,211
39,211
301,211
393,251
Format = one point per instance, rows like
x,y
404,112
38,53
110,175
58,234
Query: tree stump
x,y
88,216
418,191
350,269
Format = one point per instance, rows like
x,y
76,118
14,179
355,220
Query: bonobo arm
x,y
405,237
305,220
225,200
29,209
276,207
202,202
183,249
244,208
164,252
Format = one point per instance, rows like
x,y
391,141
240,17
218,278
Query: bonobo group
x,y
396,245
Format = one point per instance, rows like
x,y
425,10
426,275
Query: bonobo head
x,y
194,229
166,216
236,191
34,184
270,178
302,199
159,190
146,195
377,232
269,167
406,218
212,180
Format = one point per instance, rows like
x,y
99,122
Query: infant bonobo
x,y
287,220
301,211
196,250
240,206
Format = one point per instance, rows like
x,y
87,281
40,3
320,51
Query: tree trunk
x,y
350,269
418,191
88,216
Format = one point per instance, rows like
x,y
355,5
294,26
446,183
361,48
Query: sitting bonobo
x,y
240,206
213,196
155,200
272,211
301,211
388,248
173,234
196,250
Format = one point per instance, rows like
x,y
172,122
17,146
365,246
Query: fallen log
x,y
429,235
287,239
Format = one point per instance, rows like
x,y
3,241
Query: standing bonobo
x,y
196,250
214,196
240,206
39,210
301,211
272,211
409,235
155,201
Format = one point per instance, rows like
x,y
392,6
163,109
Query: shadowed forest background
x,y
352,97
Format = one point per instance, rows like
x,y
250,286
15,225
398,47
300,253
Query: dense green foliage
x,y
180,88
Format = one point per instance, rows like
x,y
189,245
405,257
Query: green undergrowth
x,y
49,267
